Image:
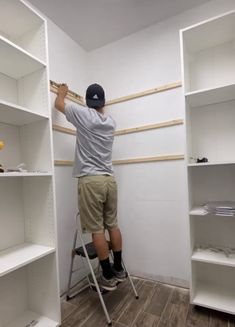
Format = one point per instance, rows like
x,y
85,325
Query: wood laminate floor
x,y
158,306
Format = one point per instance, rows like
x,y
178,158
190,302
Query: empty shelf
x,y
16,115
21,255
215,297
209,96
16,62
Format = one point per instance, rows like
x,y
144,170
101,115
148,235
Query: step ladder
x,y
87,252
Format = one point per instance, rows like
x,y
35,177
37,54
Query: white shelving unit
x,y
208,68
29,284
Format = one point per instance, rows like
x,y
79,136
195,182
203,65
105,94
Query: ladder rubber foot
x,y
110,323
68,298
137,297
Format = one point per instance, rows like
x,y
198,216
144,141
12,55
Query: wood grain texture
x,y
125,131
72,96
65,130
159,89
77,98
67,309
134,307
197,317
218,319
159,300
85,309
145,128
145,319
63,163
170,157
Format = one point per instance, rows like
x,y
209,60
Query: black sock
x,y
106,268
117,260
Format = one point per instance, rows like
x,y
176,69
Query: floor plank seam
x,y
167,303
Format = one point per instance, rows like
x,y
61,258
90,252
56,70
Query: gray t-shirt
x,y
95,134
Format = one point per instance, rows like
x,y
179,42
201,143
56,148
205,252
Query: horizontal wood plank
x,y
77,98
144,128
130,161
149,159
125,131
62,129
159,89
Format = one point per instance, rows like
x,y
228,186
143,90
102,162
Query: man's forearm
x,y
59,103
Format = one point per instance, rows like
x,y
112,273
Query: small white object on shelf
x,y
198,211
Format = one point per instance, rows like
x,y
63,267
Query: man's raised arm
x,y
59,101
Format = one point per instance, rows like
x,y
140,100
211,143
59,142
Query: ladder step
x,y
90,250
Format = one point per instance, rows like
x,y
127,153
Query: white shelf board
x,y
211,163
210,33
18,256
28,174
209,96
28,316
213,257
17,115
16,62
215,297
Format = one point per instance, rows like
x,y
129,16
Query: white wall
x,y
152,197
68,63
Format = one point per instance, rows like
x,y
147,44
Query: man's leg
x,y
92,195
116,243
102,251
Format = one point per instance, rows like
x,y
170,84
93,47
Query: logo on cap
x,y
95,96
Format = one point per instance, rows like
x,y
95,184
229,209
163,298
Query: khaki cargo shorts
x,y
97,202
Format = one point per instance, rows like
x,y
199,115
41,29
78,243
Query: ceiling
x,y
95,23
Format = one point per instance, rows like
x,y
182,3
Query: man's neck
x,y
101,110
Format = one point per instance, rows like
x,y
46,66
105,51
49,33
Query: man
x,y
97,189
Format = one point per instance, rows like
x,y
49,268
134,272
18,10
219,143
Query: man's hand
x,y
63,90
59,101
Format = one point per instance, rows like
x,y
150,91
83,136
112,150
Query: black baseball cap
x,y
95,96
